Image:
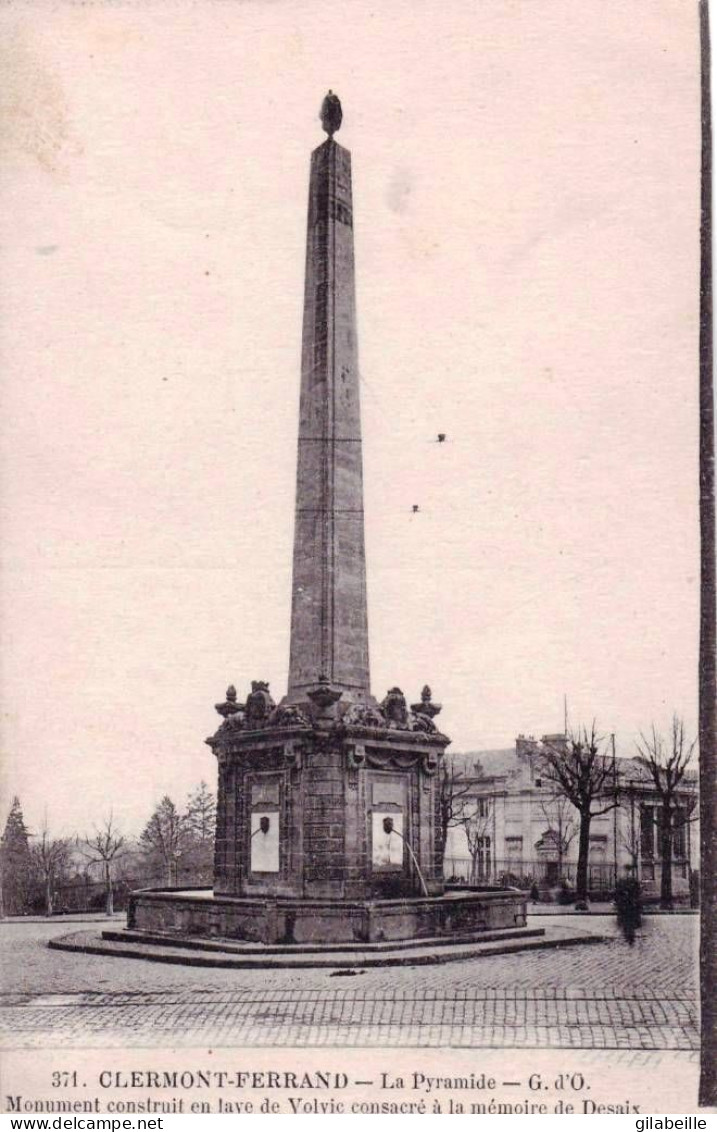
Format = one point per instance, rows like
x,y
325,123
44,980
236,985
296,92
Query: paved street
x,y
606,996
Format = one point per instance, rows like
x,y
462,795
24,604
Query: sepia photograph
x,y
358,587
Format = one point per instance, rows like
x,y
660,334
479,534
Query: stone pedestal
x,y
318,808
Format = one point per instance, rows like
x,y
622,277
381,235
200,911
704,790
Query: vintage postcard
x,y
351,557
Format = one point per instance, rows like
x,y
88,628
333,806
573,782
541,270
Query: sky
x,y
526,206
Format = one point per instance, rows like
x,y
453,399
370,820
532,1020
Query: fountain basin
x,y
199,913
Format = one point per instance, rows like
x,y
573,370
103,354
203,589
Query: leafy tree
x,y
15,863
201,820
667,763
163,838
586,776
202,814
106,846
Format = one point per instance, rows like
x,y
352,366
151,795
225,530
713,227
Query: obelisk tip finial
x,y
331,113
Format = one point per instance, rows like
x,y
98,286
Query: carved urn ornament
x,y
426,707
230,705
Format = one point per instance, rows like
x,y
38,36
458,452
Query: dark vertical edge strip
x,y
708,599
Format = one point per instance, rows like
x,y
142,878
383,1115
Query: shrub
x,y
565,893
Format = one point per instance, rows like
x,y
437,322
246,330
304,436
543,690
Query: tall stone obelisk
x,y
329,795
328,804
329,624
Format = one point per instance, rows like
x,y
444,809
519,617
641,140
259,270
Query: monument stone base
x,y
199,913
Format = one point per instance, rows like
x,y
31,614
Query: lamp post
x,y
633,834
708,590
615,809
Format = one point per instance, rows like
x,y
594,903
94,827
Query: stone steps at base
x,y
198,943
90,943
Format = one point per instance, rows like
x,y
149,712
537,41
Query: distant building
x,y
520,830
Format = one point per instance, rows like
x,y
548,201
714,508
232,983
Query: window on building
x,y
679,840
647,833
514,846
482,858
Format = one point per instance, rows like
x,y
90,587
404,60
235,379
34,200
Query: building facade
x,y
510,825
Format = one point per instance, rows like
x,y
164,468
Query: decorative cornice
x,y
391,721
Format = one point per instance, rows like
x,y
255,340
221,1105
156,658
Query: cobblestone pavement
x,y
606,996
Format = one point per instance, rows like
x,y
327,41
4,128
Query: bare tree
x,y
558,812
667,763
454,789
476,823
629,836
163,837
105,846
50,856
586,776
